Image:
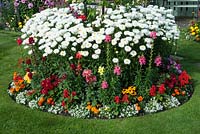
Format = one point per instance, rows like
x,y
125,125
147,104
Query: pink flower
x,y
104,85
153,35
108,38
78,55
142,60
158,61
117,70
87,72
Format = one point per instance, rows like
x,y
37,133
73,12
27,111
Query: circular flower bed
x,y
117,65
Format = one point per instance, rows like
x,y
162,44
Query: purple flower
x,y
23,1
30,5
16,3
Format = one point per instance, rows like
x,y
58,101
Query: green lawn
x,y
18,119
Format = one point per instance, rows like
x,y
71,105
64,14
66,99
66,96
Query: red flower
x,y
73,93
31,40
125,98
162,89
79,67
78,55
73,66
171,82
28,61
28,70
44,58
152,91
63,103
44,91
184,78
82,17
30,75
91,78
66,93
19,41
117,99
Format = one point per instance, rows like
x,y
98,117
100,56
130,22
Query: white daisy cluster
x,y
153,106
106,112
79,111
33,104
58,31
128,111
171,102
56,109
21,97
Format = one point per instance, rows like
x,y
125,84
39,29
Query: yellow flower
x,y
27,79
19,23
193,33
101,70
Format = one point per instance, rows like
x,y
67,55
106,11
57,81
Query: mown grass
x,y
18,119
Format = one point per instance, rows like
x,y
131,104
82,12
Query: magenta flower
x,y
153,35
30,5
108,38
158,61
104,85
87,72
117,70
142,60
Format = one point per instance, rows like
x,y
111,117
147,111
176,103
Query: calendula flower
x,y
101,70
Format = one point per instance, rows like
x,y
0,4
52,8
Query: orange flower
x,y
89,107
173,94
49,100
41,101
137,107
94,110
183,93
140,98
12,90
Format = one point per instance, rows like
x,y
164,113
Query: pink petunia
x,y
104,85
142,60
87,72
158,61
108,38
117,70
153,35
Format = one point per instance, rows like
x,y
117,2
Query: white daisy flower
x,y
142,47
127,48
62,53
115,60
133,53
127,61
95,56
